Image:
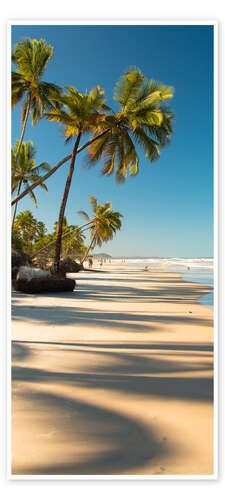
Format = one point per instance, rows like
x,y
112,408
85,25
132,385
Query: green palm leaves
x,y
26,171
103,225
144,122
127,87
80,112
30,58
105,222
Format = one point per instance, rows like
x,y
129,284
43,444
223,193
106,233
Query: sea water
x,y
198,270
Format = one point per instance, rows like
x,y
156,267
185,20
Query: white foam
x,y
198,263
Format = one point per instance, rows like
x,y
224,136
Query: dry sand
x,y
114,378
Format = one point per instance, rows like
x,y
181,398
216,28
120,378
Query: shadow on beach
x,y
183,292
50,377
126,442
77,316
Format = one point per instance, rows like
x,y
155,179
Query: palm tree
x,y
53,170
31,58
80,115
26,170
26,228
71,234
143,121
103,225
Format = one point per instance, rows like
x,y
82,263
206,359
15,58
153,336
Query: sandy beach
x,y
115,378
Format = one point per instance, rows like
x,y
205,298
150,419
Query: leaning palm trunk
x,y
42,179
88,250
70,232
21,138
53,170
15,209
63,206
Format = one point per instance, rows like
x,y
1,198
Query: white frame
x,y
80,22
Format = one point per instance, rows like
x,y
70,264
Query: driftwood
x,y
43,285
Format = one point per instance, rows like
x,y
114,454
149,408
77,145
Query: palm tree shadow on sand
x,y
125,443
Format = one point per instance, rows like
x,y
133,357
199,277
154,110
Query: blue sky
x,y
168,207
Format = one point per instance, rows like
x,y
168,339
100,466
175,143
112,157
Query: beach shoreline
x,y
115,378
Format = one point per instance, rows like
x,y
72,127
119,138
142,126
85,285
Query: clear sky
x,y
168,207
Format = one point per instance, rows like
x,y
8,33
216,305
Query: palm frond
x,y
31,57
149,145
96,150
93,203
110,154
84,214
33,197
60,116
43,186
128,87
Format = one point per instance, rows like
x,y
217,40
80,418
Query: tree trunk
x,y
21,138
15,209
88,250
46,176
63,206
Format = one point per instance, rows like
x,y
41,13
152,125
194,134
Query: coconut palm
x,y
31,58
80,114
143,121
26,171
26,225
103,225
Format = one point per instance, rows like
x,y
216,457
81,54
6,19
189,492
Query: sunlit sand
x,y
114,378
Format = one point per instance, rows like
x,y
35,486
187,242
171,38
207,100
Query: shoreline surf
x,y
195,270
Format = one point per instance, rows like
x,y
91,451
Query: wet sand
x,y
114,378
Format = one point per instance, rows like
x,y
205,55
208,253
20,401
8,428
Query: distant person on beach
x,y
101,263
90,263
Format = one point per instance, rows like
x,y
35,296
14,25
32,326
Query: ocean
x,y
195,270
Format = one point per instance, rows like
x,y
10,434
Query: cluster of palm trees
x,y
144,121
27,232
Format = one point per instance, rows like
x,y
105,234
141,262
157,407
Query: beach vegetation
x,y
103,223
30,58
79,115
30,235
143,122
26,231
26,171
